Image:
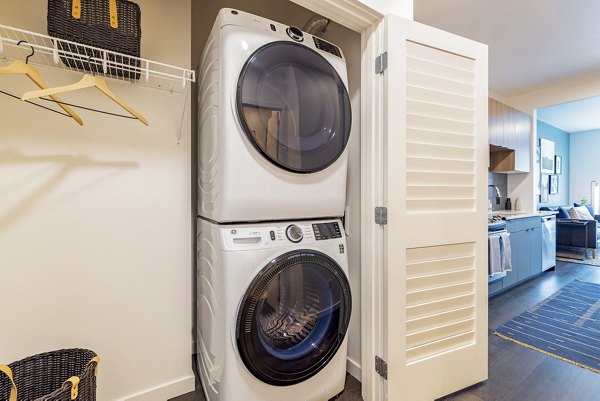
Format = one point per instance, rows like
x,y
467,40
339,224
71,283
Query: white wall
x,y
522,185
585,164
204,14
95,224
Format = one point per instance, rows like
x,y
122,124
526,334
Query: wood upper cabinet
x,y
523,135
509,137
496,124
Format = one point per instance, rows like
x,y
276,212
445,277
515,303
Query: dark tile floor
x,y
516,373
519,373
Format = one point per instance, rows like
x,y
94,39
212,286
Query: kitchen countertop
x,y
512,215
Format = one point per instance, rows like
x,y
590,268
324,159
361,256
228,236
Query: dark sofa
x,y
577,233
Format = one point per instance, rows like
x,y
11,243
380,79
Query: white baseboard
x,y
165,391
353,368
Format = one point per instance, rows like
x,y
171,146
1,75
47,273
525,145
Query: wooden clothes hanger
x,y
19,67
87,81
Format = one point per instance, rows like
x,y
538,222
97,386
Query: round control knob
x,y
294,233
295,33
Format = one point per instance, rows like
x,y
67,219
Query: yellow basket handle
x,y
76,9
95,360
74,380
114,19
13,387
112,8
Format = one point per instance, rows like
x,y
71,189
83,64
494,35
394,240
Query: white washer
x,y
273,309
274,122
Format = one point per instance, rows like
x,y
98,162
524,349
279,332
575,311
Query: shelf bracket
x,y
185,95
55,57
104,62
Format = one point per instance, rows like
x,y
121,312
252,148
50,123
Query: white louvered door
x,y
435,242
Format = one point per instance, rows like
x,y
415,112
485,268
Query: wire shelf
x,y
17,44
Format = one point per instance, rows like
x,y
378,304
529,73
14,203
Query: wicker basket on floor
x,y
65,375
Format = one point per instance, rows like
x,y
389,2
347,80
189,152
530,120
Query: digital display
x,y
327,47
325,231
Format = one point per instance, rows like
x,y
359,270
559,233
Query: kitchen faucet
x,y
497,193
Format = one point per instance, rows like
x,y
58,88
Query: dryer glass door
x,y
294,107
293,318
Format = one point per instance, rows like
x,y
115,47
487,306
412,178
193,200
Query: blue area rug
x,y
566,325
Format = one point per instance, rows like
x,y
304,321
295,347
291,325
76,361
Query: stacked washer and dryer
x,y
274,298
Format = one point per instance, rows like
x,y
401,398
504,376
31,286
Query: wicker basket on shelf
x,y
65,375
113,25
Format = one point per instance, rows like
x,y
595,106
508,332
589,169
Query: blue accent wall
x,y
561,141
585,164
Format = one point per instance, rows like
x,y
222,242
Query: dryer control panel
x,y
230,16
327,47
273,235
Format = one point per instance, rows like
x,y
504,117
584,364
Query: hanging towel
x,y
495,262
505,242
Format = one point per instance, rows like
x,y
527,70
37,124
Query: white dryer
x,y
274,122
273,309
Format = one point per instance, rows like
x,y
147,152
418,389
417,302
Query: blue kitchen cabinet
x,y
518,252
536,250
526,249
523,245
495,286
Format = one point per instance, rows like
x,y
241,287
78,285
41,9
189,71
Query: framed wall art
x,y
557,165
553,184
544,187
547,156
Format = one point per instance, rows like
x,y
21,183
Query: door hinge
x,y
381,367
381,215
381,63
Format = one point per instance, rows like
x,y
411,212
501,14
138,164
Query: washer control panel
x,y
272,235
325,231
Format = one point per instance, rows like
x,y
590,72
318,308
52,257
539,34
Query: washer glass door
x,y
293,318
294,107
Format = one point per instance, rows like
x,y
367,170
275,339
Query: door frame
x,y
369,22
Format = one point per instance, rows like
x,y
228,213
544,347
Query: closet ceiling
x,y
533,44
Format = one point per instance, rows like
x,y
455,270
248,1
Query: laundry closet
x,y
296,192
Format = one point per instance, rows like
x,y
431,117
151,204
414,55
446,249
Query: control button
x,y
272,235
294,233
273,28
295,33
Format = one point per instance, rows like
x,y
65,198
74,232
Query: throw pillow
x,y
589,207
572,213
562,213
583,212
